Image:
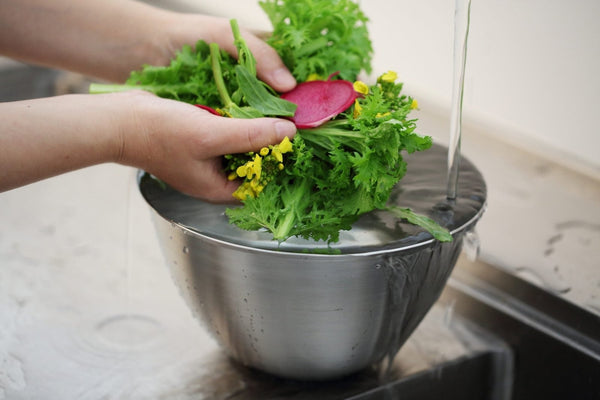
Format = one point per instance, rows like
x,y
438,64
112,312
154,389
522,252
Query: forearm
x,y
105,39
46,137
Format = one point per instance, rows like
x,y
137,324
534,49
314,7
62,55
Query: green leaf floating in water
x,y
438,232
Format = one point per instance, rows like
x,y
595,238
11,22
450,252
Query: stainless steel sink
x,y
491,336
556,344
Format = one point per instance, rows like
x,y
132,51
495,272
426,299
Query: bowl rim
x,y
316,255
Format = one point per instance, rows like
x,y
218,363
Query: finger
x,y
269,66
206,181
217,188
233,135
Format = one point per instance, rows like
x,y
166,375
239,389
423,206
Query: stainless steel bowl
x,y
308,316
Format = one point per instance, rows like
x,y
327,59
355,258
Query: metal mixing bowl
x,y
312,316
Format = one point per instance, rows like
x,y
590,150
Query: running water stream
x,y
462,16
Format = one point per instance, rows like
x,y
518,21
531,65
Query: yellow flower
x,y
253,184
257,166
380,115
277,154
389,77
285,146
361,87
242,192
313,77
251,168
232,176
242,170
414,104
357,109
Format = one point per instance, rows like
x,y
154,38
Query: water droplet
x,y
129,330
471,244
186,250
546,278
449,313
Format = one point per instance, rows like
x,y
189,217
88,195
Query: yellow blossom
x,y
277,154
242,192
414,105
285,146
361,87
232,176
251,168
313,77
381,115
242,170
264,151
357,109
389,77
256,168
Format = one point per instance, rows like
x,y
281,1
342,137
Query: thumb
x,y
234,135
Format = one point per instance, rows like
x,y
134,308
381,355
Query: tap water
x,y
471,244
462,17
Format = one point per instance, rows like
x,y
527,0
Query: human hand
x,y
175,141
183,29
182,144
86,39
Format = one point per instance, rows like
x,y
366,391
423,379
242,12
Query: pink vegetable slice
x,y
207,108
319,101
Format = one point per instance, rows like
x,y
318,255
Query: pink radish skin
x,y
207,108
319,101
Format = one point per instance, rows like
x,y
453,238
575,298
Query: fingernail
x,y
285,128
284,79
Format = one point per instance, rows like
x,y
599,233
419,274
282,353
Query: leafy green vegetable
x,y
188,78
320,37
207,75
340,170
258,97
333,173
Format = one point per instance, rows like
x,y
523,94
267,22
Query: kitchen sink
x,y
491,336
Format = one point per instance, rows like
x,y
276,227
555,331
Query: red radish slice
x,y
207,108
319,101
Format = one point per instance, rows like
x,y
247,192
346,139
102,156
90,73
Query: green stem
x,y
294,203
325,131
312,47
215,57
282,232
101,88
245,57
